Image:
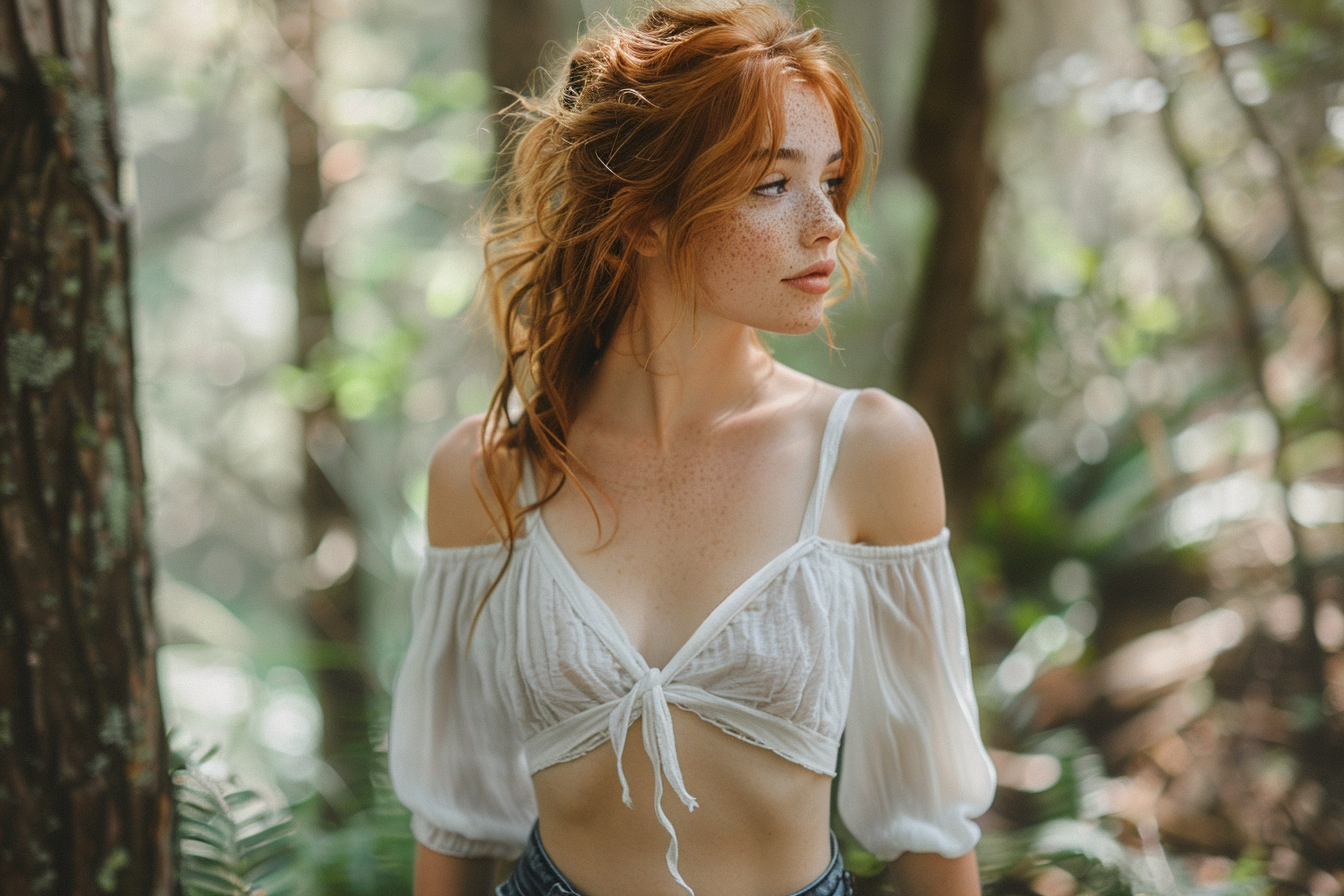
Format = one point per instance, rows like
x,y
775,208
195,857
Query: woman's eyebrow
x,y
789,154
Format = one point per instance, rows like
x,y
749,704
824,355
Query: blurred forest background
x,y
1110,272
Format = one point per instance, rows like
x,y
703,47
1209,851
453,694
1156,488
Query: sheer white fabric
x,y
825,638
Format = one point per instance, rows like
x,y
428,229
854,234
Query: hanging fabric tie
x,y
647,699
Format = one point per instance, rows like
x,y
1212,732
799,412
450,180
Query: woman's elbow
x,y
440,875
926,873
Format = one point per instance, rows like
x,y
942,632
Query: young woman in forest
x,y
667,572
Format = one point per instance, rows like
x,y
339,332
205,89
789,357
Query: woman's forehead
x,y
809,128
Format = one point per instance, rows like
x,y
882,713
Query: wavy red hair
x,y
661,121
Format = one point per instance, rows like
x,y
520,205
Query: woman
x,y
665,570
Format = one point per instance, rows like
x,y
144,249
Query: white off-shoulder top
x,y
826,639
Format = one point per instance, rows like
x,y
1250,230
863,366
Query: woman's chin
x,y
799,326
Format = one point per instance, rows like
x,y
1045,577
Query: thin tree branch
x,y
1253,342
1298,225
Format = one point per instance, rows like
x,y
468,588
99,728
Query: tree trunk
x,y
333,601
85,804
948,153
516,33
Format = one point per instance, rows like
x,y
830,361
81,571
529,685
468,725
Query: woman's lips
x,y
816,280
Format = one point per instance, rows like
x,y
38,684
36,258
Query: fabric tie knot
x,y
648,700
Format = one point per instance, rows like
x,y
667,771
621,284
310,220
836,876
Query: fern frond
x,y
232,840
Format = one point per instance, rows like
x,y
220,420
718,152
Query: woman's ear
x,y
649,239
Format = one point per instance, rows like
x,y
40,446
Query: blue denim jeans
x,y
536,875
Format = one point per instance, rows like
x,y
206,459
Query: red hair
x,y
662,121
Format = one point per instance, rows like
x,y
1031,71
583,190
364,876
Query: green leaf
x,y
233,841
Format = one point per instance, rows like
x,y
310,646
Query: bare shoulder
x,y
457,513
888,475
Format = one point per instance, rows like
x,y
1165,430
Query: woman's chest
x,y
663,545
781,645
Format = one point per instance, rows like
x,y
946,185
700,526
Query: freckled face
x,y
767,263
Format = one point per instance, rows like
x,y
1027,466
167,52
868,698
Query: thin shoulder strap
x,y
830,450
527,487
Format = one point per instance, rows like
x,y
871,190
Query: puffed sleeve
x,y
455,759
913,772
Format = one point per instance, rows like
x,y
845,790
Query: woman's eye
x,y
833,184
772,188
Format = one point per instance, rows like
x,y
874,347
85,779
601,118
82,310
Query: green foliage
x,y
455,91
1117,502
1074,794
232,840
1093,861
363,380
1086,856
1026,508
1085,852
368,854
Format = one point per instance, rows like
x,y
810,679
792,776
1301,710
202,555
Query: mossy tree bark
x,y
85,804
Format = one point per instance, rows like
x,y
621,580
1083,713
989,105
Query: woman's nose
x,y
823,221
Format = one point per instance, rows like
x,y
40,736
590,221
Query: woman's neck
x,y
670,374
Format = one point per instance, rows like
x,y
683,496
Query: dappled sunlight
x,y
1145,461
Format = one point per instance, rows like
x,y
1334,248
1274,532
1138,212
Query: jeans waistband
x,y
536,875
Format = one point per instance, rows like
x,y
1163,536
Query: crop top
x,y
826,638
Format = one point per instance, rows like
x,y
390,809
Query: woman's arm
x,y
894,489
455,517
440,875
927,874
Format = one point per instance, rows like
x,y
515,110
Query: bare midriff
x,y
761,828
